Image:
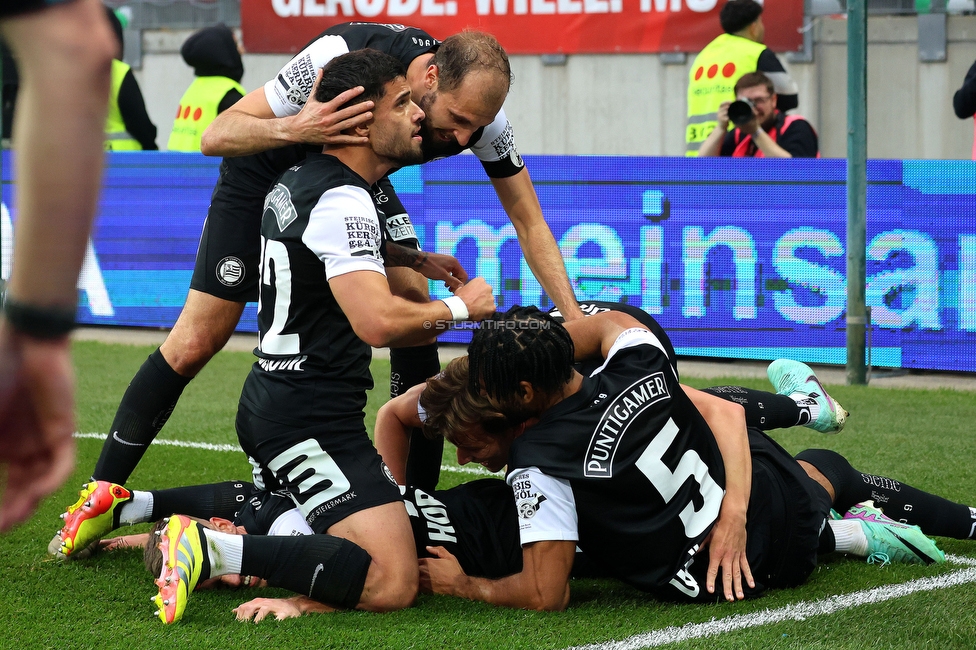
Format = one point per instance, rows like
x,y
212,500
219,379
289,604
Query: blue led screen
x,y
735,258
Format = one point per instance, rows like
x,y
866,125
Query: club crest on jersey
x,y
230,271
619,414
279,202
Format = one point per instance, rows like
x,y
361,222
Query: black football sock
x,y
902,502
827,541
202,501
409,367
147,404
765,411
328,569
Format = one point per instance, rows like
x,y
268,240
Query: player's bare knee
x,y
187,355
192,344
390,588
819,477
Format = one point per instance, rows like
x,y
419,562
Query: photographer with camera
x,y
780,135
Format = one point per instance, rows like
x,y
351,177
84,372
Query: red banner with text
x,y
522,26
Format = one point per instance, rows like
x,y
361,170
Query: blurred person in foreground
x,y
65,52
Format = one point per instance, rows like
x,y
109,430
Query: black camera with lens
x,y
741,112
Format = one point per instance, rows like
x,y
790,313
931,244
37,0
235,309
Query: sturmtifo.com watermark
x,y
487,325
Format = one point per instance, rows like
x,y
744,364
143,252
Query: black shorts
x,y
787,512
228,257
230,246
16,7
329,473
262,508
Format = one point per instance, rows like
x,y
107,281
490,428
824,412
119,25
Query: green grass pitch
x,y
925,438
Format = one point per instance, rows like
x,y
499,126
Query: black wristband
x,y
39,322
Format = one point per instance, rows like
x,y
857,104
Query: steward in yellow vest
x,y
127,125
716,69
216,61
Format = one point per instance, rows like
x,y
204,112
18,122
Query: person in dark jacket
x,y
964,101
127,126
216,61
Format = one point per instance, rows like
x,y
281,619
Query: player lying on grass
x,y
477,524
644,475
472,529
471,422
476,521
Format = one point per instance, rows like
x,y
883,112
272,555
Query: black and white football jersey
x,y
591,307
290,88
494,145
319,223
626,467
474,521
245,180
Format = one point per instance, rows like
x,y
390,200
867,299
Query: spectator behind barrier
x,y
781,135
214,55
716,69
127,126
964,101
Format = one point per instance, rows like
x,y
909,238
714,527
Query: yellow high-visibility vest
x,y
711,82
116,137
197,109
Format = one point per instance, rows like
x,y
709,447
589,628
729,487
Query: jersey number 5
x,y
667,483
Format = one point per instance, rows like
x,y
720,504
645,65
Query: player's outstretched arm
x,y
394,421
518,197
433,266
542,585
727,541
383,320
250,126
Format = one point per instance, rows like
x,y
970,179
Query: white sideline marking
x,y
171,443
218,447
796,612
